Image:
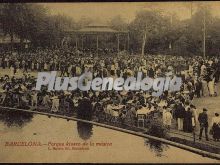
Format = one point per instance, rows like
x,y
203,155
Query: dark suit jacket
x,y
203,119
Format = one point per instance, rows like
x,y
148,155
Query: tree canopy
x,y
151,31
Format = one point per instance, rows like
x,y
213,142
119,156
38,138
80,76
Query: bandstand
x,y
98,31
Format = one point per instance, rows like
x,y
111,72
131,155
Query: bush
x,y
156,128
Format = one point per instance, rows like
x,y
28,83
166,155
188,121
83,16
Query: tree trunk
x,y
11,36
12,41
143,43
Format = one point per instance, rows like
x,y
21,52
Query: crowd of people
x,y
199,79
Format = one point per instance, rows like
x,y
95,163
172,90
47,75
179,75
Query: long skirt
x,y
11,71
204,88
180,124
55,106
211,87
216,131
187,124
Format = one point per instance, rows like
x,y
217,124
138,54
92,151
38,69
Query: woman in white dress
x,y
45,66
167,119
55,104
11,70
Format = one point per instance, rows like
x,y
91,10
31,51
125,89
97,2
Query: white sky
x,y
105,11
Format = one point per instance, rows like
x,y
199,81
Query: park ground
x,y
210,103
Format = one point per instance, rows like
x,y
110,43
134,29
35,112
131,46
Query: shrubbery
x,y
156,128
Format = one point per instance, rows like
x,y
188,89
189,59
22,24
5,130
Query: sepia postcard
x,y
110,82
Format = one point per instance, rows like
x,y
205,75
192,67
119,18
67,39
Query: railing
x,y
182,146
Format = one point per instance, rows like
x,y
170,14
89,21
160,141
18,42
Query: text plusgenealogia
x,y
86,82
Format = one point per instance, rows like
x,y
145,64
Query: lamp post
x,y
171,24
97,45
118,46
204,34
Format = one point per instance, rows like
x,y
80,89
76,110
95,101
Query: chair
x,y
114,119
66,106
114,116
148,118
156,115
16,99
140,120
101,116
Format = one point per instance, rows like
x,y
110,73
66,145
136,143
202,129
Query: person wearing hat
x,y
179,114
203,120
216,127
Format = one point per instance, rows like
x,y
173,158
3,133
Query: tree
x,y
190,32
84,21
213,37
34,22
57,25
21,19
118,23
146,25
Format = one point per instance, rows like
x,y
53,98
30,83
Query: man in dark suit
x,y
203,120
180,114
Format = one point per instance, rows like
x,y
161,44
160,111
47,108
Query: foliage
x,y
156,128
147,30
33,22
151,31
186,36
118,23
